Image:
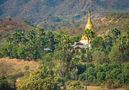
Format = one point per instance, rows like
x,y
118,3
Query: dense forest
x,y
64,68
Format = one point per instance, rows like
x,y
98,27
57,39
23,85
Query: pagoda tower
x,y
85,40
89,24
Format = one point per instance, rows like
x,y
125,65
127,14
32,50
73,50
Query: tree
x,y
52,42
101,77
115,33
98,43
115,55
44,79
99,56
108,43
126,73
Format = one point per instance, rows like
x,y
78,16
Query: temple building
x,y
85,41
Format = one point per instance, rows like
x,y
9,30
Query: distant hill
x,y
54,14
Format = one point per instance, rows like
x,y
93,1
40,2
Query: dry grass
x,y
17,68
100,88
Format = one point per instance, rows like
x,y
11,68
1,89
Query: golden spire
x,y
85,39
89,24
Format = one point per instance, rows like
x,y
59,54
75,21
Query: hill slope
x,y
52,12
8,26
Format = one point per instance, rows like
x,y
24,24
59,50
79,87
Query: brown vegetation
x,y
16,68
100,88
9,25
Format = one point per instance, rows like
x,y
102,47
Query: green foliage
x,y
120,49
25,45
99,56
3,83
35,82
36,44
115,33
89,33
98,43
63,66
74,85
112,74
115,55
44,79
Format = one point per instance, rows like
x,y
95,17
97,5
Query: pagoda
x,y
89,24
85,41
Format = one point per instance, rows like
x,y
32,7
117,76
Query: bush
x,y
3,83
115,54
37,82
74,85
99,57
101,77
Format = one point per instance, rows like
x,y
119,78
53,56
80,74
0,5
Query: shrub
x,y
3,83
74,85
99,56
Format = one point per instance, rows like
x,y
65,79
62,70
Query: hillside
x,y
102,24
8,26
56,14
